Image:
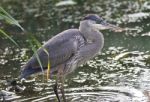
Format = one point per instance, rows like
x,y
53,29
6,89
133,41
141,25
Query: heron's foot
x,y
55,88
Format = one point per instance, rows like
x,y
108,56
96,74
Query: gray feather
x,y
61,48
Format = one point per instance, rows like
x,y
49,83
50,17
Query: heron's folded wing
x,y
60,48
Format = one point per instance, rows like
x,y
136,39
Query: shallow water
x,y
120,73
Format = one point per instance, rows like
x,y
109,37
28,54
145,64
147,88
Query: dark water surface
x,y
119,74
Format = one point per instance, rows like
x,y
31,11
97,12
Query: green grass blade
x,y
9,18
35,40
36,54
6,35
1,16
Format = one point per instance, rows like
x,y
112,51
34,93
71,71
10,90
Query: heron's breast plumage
x,y
73,62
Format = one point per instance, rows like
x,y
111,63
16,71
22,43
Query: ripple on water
x,y
99,94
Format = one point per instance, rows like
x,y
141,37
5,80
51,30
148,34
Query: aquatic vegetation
x,y
4,16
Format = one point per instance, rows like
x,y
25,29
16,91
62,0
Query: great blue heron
x,y
69,49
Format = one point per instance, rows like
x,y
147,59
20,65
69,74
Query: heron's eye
x,y
99,21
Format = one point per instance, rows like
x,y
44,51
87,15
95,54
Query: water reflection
x,y
96,94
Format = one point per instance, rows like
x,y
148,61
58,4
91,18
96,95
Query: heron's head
x,y
99,23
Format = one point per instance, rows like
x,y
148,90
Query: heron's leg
x,y
62,88
61,75
55,88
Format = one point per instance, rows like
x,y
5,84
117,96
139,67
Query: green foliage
x,y
6,35
32,40
8,18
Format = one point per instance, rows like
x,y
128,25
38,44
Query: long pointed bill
x,y
113,27
105,25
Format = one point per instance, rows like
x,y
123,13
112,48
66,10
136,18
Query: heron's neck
x,y
91,34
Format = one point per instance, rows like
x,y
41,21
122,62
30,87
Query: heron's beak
x,y
104,25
